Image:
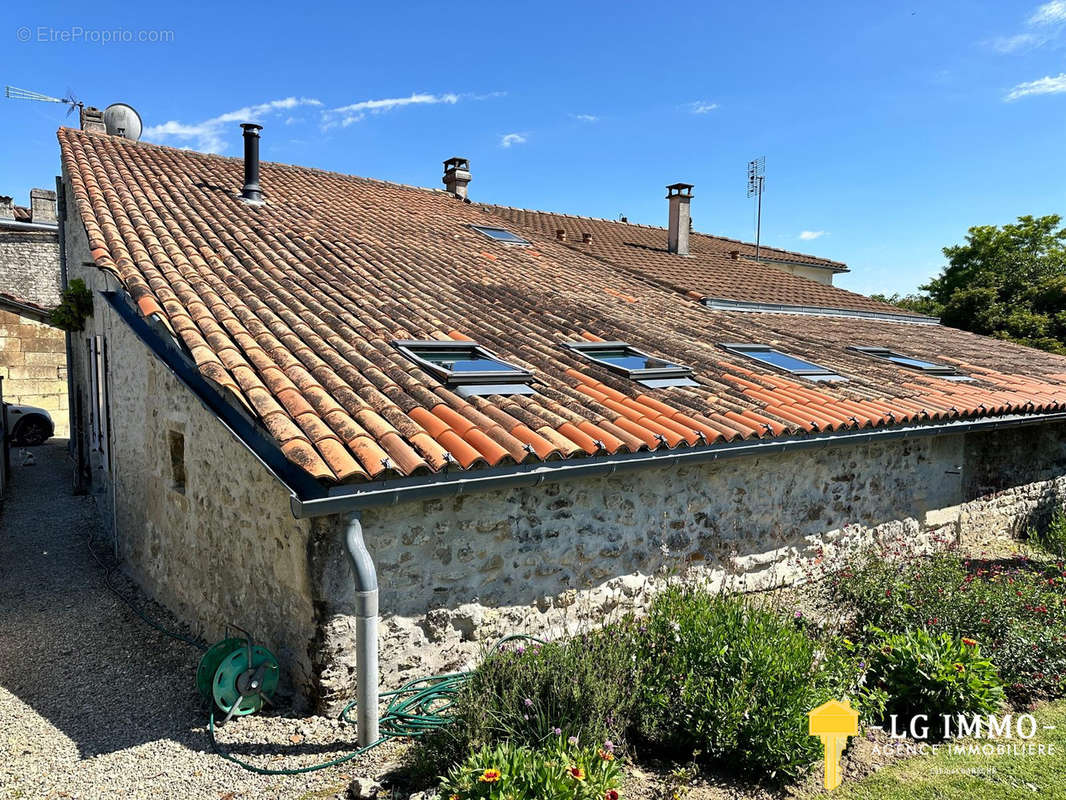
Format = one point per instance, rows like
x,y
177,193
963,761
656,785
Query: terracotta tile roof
x,y
292,307
708,271
22,214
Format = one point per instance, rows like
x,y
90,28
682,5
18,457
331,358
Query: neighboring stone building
x,y
527,424
33,362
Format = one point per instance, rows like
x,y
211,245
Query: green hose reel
x,y
238,676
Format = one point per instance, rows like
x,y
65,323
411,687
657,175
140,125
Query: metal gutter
x,y
837,268
384,493
25,309
721,304
17,225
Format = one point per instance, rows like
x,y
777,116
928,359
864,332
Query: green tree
x,y
1008,282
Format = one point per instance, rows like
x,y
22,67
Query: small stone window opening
x,y
176,448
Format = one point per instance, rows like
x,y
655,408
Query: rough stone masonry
x,y
32,353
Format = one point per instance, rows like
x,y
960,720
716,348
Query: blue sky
x,y
888,129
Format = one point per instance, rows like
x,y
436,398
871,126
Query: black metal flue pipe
x,y
251,190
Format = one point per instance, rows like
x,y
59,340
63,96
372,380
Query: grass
x,y
942,776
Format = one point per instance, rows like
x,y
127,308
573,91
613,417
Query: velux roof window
x,y
785,362
500,234
467,367
626,360
927,367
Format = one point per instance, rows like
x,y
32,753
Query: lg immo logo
x,y
833,723
993,734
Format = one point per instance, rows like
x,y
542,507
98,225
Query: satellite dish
x,y
122,120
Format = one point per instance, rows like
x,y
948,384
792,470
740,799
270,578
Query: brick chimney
x,y
42,206
679,195
92,119
456,176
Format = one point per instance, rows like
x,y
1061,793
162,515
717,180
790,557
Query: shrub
x,y
730,681
529,694
1016,610
1053,537
76,303
934,674
558,770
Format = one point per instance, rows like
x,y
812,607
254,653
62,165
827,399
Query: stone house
x,y
319,401
33,360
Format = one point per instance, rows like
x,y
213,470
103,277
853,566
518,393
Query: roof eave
x,y
344,499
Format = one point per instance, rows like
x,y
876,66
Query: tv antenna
x,y
72,102
756,178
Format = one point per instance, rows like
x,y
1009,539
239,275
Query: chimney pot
x,y
560,234
457,176
42,205
92,119
251,192
586,238
679,195
734,254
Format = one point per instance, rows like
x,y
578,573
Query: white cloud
x,y
356,112
808,235
210,136
1012,44
586,117
1045,85
701,107
1053,13
1044,25
509,139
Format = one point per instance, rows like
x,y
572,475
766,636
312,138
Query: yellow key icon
x,y
833,723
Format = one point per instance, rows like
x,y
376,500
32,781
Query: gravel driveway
x,y
94,703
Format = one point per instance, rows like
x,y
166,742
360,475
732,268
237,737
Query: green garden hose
x,y
415,709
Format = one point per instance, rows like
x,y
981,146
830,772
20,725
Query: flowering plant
x,y
558,770
934,674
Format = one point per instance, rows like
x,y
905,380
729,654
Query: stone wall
x,y
198,522
29,266
457,574
33,364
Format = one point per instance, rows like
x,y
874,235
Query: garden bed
x,y
707,696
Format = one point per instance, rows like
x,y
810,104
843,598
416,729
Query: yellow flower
x,y
490,776
606,756
576,773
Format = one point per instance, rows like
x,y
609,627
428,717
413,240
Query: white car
x,y
29,425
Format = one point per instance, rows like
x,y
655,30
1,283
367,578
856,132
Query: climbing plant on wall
x,y
76,304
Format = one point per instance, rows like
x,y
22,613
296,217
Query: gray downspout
x,y
366,628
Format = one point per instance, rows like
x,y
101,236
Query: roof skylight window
x,y
635,364
785,362
467,367
500,234
927,367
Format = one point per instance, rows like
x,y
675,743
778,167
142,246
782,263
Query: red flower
x,y
611,794
576,773
969,642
